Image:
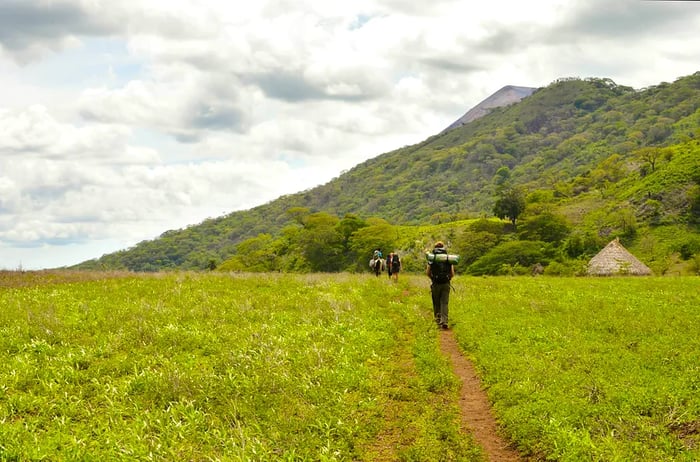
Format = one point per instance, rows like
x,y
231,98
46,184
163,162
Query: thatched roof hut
x,y
615,260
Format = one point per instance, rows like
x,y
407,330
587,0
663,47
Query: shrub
x,y
521,253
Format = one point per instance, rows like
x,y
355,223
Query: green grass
x,y
207,367
343,367
589,369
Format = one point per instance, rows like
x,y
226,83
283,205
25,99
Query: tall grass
x,y
588,369
343,367
216,367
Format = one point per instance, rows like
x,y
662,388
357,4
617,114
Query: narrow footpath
x,y
475,409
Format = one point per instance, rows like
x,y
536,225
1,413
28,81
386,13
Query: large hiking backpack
x,y
395,263
440,268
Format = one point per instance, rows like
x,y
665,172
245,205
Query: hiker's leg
x,y
444,304
435,294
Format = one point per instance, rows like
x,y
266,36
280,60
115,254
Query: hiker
x,y
393,265
440,273
377,262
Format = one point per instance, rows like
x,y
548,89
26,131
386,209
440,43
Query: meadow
x,y
325,367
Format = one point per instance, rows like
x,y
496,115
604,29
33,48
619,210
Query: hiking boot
x,y
444,326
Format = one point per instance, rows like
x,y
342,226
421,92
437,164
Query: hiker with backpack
x,y
393,265
440,270
377,262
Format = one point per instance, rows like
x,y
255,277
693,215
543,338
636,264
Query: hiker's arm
x,y
428,272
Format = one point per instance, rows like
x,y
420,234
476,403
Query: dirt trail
x,y
475,408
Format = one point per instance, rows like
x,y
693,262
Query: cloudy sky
x,y
120,120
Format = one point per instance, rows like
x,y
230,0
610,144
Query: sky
x,y
120,120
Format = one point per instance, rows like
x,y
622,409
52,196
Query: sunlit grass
x,y
222,367
343,367
589,369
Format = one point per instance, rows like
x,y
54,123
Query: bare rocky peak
x,y
509,94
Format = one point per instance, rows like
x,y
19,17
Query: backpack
x,y
440,270
395,263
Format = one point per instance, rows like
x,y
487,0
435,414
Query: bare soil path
x,y
475,409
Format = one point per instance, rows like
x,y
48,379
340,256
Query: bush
x,y
521,253
689,248
570,268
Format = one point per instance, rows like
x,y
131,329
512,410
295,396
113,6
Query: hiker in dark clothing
x,y
393,265
440,273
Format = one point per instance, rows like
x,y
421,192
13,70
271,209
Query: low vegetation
x,y
207,367
588,368
268,366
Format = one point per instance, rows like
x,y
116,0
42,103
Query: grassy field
x,y
589,369
342,367
207,367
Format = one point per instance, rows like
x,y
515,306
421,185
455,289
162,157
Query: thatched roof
x,y
614,259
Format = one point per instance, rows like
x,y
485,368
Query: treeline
x,y
533,238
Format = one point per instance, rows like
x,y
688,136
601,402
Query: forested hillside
x,y
570,167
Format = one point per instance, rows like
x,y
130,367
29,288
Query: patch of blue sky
x,y
294,162
360,21
96,62
171,151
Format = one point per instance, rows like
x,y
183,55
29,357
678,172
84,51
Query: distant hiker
x,y
393,265
377,262
440,271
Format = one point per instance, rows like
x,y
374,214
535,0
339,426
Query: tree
x,y
544,226
502,176
694,209
255,255
650,156
510,205
298,214
471,245
346,228
379,234
321,243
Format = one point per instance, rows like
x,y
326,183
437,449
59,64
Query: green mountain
x,y
607,160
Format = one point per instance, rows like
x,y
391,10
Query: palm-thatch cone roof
x,y
614,259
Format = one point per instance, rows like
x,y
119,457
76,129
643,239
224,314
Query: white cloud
x,y
121,120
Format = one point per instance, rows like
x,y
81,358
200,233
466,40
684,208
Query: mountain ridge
x,y
577,141
509,94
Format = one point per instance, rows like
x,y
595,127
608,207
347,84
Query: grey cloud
x,y
587,20
217,117
467,64
507,39
47,193
291,87
24,23
604,19
187,137
286,86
